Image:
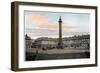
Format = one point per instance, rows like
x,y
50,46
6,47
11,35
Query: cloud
x,y
35,17
56,26
44,22
35,33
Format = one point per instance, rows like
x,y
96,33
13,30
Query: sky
x,y
45,24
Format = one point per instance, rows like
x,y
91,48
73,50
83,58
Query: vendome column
x,y
60,34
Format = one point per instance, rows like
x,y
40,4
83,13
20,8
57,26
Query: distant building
x,y
46,43
82,41
28,41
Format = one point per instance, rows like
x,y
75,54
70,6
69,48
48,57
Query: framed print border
x,y
15,34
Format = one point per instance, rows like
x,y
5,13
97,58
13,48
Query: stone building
x,y
82,41
28,41
45,43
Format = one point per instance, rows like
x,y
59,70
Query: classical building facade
x,y
28,41
82,41
45,43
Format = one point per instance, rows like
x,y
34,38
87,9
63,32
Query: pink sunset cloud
x,y
56,26
39,19
44,22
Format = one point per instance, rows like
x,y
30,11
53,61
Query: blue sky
x,y
45,24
